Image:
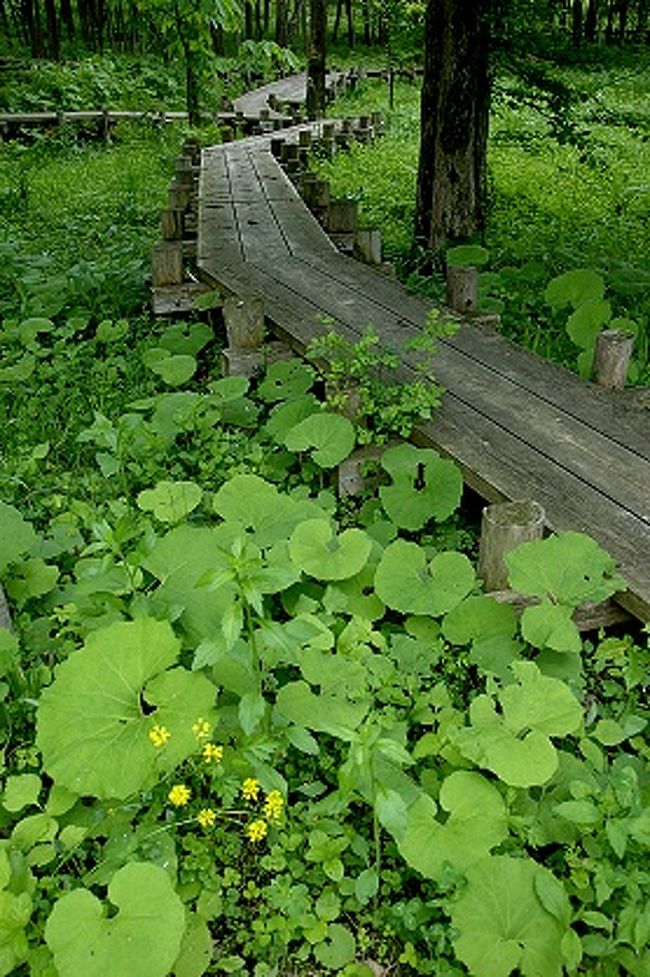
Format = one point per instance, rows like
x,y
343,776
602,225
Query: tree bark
x,y
281,23
591,21
576,23
317,58
450,200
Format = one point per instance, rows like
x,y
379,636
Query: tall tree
x,y
450,200
316,58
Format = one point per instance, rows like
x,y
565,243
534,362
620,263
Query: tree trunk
x,y
623,10
350,18
576,23
337,21
609,29
53,40
317,57
248,20
591,21
191,89
281,23
450,200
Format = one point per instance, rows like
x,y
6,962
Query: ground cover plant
x,y
250,726
266,731
566,192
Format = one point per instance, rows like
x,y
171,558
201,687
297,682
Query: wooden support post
x,y
377,121
167,263
367,245
265,114
612,359
172,225
178,196
503,527
277,142
241,362
462,289
105,124
244,319
304,138
342,216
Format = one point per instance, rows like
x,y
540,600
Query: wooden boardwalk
x,y
518,426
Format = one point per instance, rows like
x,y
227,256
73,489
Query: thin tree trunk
x,y
350,17
623,11
337,21
317,57
53,38
267,16
609,29
281,23
248,19
591,21
367,34
576,23
450,200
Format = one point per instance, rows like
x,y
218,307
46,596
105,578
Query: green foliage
x,y
145,935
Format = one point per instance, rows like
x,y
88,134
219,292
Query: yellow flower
x,y
159,735
250,789
273,805
206,817
212,752
201,728
256,830
179,795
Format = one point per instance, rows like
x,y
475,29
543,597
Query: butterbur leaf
x,y
571,568
586,322
318,551
338,949
329,437
258,505
196,949
143,937
476,823
425,486
170,501
502,924
182,339
549,625
173,369
286,380
93,722
515,743
406,582
574,288
16,535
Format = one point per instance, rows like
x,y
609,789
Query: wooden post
x,y
367,245
167,263
244,319
172,225
105,124
178,196
277,142
304,138
612,359
342,216
462,289
503,527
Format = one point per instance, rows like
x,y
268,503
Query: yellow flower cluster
x,y
206,817
250,789
201,728
257,830
212,753
273,805
179,795
159,735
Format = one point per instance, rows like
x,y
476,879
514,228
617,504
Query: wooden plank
x,y
261,238
596,459
612,414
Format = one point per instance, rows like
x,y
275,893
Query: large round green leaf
x,y
257,505
424,486
476,823
93,721
170,501
142,939
501,922
329,437
321,553
405,582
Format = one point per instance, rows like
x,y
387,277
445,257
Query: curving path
x,y
518,426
